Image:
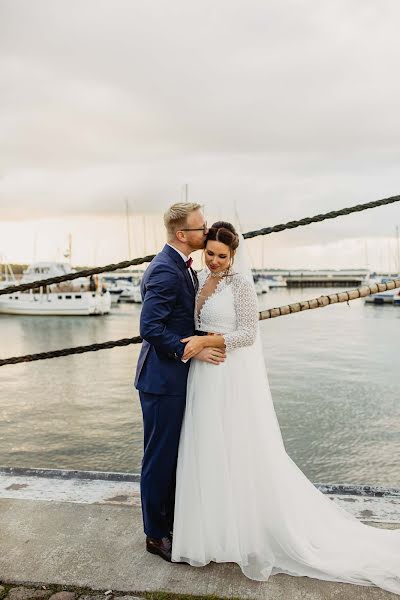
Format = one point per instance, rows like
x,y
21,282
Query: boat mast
x,y
263,251
70,249
34,246
68,253
128,229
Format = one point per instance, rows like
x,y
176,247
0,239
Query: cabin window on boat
x,y
78,296
68,297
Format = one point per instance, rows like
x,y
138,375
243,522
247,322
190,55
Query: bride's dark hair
x,y
224,232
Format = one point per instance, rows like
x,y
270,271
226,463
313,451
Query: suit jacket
x,y
167,316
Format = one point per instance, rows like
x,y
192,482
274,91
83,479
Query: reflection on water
x,y
334,374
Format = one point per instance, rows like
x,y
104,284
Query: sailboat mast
x,y
128,229
70,248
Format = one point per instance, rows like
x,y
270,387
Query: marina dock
x,y
298,278
84,530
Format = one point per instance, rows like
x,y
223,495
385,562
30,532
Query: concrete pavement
x,y
100,545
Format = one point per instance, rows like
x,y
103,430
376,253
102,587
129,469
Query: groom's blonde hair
x,y
176,216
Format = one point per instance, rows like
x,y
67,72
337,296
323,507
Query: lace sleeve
x,y
246,308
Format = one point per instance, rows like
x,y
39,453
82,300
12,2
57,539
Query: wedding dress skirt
x,y
240,498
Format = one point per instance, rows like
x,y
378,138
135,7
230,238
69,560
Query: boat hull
x,y
380,299
55,304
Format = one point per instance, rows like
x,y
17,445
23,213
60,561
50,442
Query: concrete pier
x,y
87,532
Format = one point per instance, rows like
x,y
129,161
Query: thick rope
x,y
288,309
86,273
323,217
249,234
68,351
323,301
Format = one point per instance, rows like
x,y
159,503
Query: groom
x,y
168,290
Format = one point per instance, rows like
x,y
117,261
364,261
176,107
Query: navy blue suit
x,y
167,316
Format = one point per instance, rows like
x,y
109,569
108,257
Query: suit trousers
x,y
162,422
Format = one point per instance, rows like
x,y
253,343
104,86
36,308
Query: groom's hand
x,y
215,356
194,345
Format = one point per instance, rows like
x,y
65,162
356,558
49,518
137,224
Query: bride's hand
x,y
194,345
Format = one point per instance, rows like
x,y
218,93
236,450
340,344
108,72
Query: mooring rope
x,y
323,217
68,351
86,273
271,313
323,301
248,235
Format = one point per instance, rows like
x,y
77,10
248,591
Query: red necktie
x,y
189,262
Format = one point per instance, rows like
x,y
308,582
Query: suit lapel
x,y
195,280
181,265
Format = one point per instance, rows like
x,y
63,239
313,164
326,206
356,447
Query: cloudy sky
x,y
280,108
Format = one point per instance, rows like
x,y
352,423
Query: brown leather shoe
x,y
160,546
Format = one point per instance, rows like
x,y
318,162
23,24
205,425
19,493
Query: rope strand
x,y
250,234
271,313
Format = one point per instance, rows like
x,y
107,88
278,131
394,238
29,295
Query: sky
x,y
269,110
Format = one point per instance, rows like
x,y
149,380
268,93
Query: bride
x,y
239,496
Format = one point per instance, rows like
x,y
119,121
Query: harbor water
x,y
334,375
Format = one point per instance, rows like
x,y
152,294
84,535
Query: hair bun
x,y
224,232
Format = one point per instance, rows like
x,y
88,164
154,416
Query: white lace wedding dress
x,y
239,496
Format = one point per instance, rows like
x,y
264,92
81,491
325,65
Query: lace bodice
x,y
231,310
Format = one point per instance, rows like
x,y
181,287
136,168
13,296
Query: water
x,y
334,374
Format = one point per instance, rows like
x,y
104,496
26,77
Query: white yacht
x,y
123,287
115,288
261,285
81,296
131,293
387,297
275,281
